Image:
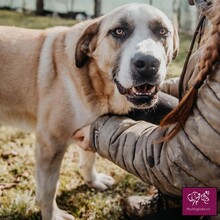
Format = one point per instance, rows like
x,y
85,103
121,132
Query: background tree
x,y
97,8
39,7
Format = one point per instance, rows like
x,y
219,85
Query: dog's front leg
x,y
49,155
91,176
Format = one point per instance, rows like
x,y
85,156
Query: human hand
x,y
81,137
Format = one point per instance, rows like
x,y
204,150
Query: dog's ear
x,y
175,42
86,44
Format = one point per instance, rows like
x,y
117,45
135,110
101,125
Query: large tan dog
x,y
58,80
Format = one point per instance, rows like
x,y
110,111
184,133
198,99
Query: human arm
x,y
191,158
171,86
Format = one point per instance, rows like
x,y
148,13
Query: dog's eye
x,y
163,31
118,32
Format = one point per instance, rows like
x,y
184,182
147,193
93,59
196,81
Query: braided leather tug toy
x,y
179,115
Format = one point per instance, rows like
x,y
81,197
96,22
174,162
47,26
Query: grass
x,y
11,18
17,183
176,65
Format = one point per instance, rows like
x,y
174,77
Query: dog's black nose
x,y
145,65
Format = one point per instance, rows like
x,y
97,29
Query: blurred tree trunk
x,y
151,2
176,13
39,7
23,5
97,8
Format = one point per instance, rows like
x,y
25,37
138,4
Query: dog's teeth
x,y
143,91
153,89
133,90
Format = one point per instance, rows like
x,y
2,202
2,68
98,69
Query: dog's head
x,y
133,44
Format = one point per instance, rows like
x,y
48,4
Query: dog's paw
x,y
101,181
62,215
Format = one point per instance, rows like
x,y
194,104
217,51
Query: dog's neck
x,y
100,90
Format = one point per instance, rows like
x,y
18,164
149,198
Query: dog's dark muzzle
x,y
144,71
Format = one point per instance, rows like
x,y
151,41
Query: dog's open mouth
x,y
142,90
144,95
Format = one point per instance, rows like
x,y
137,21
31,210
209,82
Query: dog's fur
x,y
56,81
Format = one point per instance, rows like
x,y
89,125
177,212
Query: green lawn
x,y
17,184
31,21
175,67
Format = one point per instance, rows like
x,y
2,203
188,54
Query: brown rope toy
x,y
179,115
